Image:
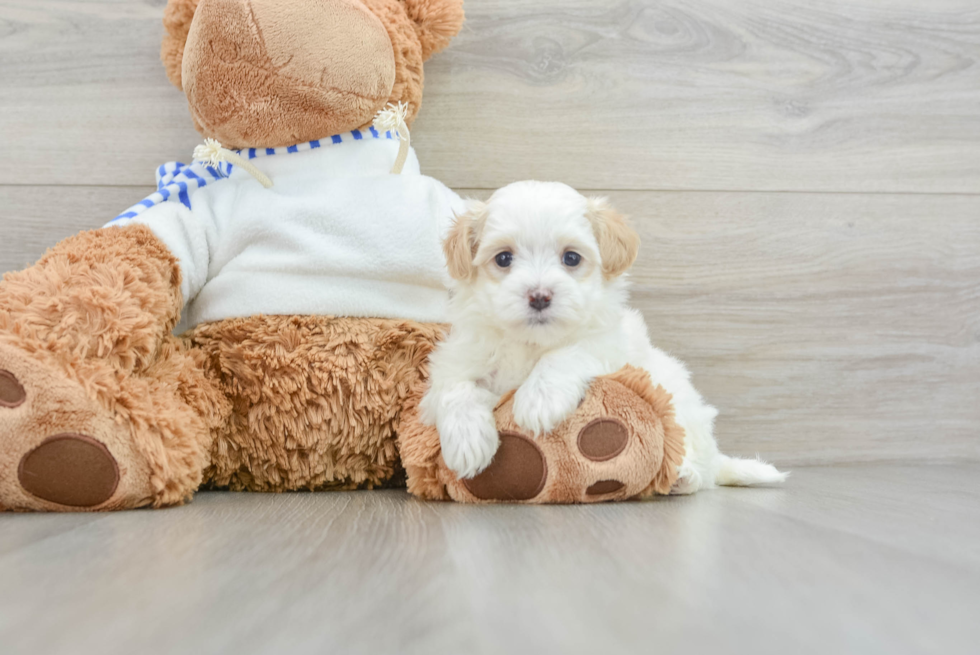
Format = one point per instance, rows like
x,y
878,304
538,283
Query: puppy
x,y
538,303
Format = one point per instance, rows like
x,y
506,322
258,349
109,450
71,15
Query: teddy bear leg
x,y
622,442
100,407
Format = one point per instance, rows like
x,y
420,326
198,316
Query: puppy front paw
x,y
469,441
688,480
540,407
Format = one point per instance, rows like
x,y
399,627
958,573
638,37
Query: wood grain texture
x,y
619,94
712,94
34,218
861,559
825,327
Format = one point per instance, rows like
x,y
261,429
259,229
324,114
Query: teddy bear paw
x,y
519,471
620,443
55,442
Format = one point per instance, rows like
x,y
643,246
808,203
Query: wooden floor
x,y
871,558
805,175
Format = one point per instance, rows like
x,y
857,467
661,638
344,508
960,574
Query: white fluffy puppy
x,y
538,304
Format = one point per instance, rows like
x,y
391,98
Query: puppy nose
x,y
539,301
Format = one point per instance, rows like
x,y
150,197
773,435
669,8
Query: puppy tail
x,y
736,472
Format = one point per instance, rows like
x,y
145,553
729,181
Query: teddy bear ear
x,y
437,22
177,19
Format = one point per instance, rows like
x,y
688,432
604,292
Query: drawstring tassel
x,y
212,153
392,119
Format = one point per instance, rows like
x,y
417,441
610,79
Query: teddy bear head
x,y
270,73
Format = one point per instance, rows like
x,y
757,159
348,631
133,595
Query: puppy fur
x,y
525,315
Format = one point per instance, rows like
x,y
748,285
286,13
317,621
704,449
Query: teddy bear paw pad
x,y
70,469
603,487
603,439
12,392
518,471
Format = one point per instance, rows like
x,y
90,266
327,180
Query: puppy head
x,y
538,259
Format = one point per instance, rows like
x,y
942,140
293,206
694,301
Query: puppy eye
x,y
571,259
504,259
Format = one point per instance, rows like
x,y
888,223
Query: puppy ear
x,y
619,243
463,240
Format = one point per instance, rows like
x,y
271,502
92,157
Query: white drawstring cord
x,y
212,153
392,119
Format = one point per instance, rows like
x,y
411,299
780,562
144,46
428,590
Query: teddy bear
x,y
307,309
262,322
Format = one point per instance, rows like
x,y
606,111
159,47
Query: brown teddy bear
x,y
102,408
305,280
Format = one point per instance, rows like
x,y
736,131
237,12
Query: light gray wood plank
x,y
731,570
711,94
930,511
40,527
825,327
621,94
37,217
83,95
839,326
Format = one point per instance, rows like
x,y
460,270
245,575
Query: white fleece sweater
x,y
337,234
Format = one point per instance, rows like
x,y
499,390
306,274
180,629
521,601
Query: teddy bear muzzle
x,y
326,67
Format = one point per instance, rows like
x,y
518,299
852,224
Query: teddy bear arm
x,y
185,233
112,294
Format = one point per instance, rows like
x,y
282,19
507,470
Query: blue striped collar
x,y
353,135
176,182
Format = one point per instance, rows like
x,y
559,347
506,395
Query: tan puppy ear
x,y
463,240
177,17
619,243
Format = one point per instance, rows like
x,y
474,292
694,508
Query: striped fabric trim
x,y
176,181
355,135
